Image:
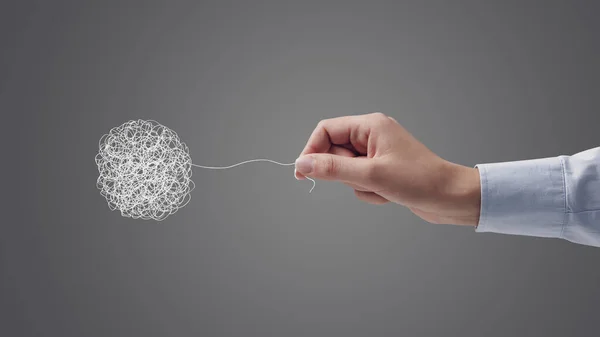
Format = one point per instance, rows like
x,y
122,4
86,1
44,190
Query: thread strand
x,y
253,161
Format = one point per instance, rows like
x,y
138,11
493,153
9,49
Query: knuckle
x,y
378,115
330,166
379,119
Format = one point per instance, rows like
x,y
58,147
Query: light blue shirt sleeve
x,y
556,197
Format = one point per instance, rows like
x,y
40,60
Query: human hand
x,y
383,162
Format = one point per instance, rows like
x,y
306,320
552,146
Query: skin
x,y
382,162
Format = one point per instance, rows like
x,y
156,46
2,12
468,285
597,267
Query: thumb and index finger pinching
x,y
324,158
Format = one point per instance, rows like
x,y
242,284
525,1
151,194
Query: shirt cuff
x,y
523,198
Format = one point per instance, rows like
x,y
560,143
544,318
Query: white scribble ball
x,y
144,170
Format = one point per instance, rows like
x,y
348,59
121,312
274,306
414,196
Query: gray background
x,y
254,254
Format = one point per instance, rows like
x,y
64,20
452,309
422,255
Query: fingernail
x,y
304,165
295,176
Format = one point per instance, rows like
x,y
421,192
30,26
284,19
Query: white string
x,y
253,161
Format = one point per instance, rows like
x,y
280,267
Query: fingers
x,y
337,131
332,144
342,150
370,197
357,170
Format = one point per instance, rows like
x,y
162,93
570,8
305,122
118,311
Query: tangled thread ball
x,y
145,170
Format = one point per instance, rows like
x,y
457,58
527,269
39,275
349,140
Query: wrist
x,y
462,194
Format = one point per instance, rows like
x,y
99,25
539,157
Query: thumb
x,y
334,167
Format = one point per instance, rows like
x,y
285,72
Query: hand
x,y
383,162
